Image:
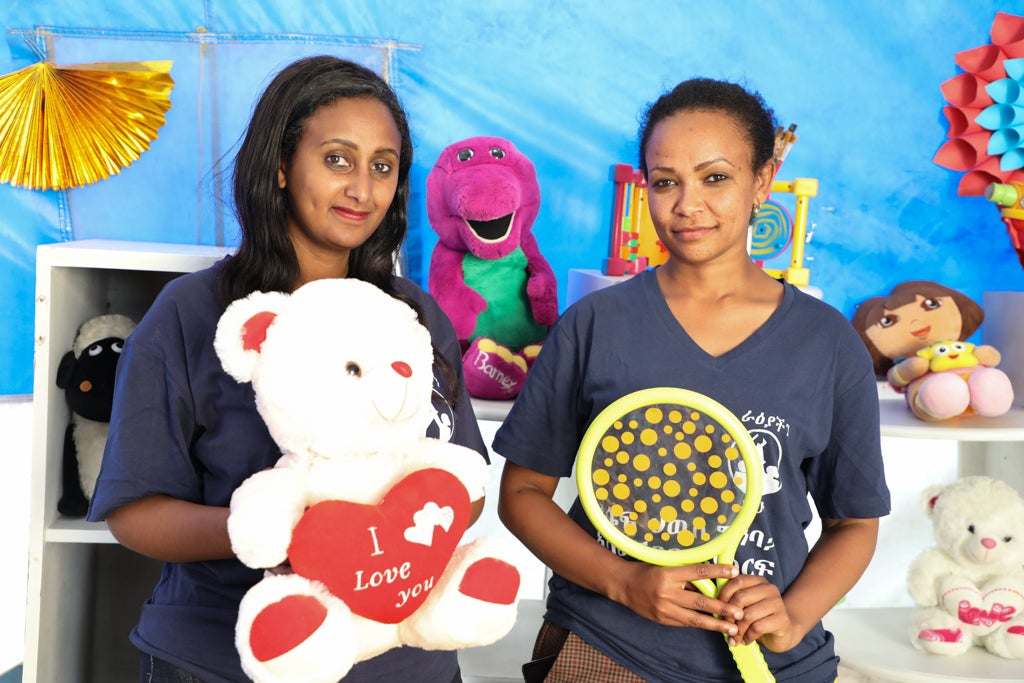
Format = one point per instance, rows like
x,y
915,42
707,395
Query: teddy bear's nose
x,y
402,368
989,543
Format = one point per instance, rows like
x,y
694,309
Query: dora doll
x,y
919,314
914,315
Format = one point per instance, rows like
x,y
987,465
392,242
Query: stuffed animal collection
x,y
86,374
367,512
486,271
916,336
969,587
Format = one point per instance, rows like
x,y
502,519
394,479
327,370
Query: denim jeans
x,y
158,671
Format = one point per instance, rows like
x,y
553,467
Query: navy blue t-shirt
x,y
183,427
802,385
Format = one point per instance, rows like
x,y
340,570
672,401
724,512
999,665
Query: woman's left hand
x,y
765,617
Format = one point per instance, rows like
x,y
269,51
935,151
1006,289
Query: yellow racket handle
x,y
750,662
749,658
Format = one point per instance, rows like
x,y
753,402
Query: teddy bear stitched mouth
x,y
493,230
395,414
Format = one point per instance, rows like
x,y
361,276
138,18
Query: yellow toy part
x,y
949,355
803,189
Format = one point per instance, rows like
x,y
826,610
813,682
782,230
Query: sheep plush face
x,y
376,388
979,521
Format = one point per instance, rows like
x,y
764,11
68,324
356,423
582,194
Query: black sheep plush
x,y
86,373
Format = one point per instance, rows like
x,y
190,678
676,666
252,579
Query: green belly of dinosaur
x,y
507,319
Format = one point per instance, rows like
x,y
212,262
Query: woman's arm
x,y
476,509
172,530
660,594
833,566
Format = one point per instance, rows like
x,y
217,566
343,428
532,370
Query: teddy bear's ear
x,y
929,498
243,328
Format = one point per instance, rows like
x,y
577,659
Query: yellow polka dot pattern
x,y
668,477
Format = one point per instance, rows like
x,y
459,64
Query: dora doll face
x,y
904,330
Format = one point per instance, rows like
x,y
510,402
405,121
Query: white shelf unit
x,y
876,641
84,590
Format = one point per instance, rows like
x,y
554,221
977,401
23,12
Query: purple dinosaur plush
x,y
486,271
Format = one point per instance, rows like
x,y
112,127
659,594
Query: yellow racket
x,y
671,477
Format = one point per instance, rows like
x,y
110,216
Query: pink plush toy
x,y
487,272
951,378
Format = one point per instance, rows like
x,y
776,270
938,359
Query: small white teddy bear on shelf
x,y
969,587
365,511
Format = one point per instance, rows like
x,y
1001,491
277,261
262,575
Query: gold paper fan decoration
x,y
63,127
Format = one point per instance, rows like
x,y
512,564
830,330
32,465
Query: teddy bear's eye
x,y
1007,538
497,152
888,321
465,154
95,350
353,369
971,528
931,304
117,347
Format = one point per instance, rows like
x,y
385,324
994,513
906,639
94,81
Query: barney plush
x,y
486,271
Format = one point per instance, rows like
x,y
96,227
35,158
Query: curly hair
x,y
755,119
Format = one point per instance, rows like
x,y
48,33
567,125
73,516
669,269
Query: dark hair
x,y
265,259
755,119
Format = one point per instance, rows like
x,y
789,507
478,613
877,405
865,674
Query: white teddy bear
x,y
969,587
367,512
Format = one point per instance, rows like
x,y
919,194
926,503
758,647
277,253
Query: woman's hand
x,y
764,615
666,595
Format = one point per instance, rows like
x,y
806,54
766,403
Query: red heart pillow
x,y
383,560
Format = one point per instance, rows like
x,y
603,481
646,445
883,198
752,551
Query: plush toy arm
x,y
264,510
924,574
447,285
906,371
987,355
464,463
541,287
73,502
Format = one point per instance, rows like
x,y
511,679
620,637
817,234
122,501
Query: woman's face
x,y
342,178
906,329
702,185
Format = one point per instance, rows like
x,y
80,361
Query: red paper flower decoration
x,y
986,110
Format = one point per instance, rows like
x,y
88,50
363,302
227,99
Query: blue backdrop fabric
x,y
566,81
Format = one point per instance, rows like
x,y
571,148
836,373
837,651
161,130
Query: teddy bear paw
x,y
1008,642
943,641
290,630
475,602
493,371
491,580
